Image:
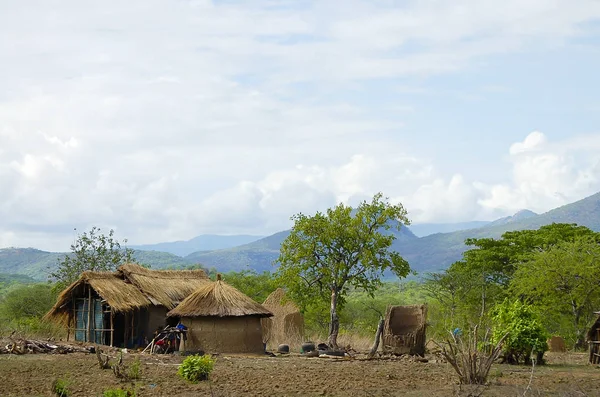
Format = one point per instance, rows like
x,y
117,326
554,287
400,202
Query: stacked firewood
x,y
31,346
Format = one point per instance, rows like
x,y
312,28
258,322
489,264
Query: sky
x,y
166,119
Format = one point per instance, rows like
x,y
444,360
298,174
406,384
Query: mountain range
x,y
431,252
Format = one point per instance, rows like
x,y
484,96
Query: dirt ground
x,y
294,375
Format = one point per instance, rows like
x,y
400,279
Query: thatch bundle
x,y
218,299
404,331
287,322
556,344
164,287
118,294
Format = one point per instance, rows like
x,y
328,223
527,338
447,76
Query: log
x,y
377,339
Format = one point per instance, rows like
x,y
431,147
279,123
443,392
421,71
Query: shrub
x,y
60,387
196,368
118,393
135,369
526,336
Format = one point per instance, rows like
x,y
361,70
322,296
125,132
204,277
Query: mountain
x,y
426,254
204,242
425,229
261,254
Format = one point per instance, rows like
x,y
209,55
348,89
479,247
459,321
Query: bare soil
x,y
566,374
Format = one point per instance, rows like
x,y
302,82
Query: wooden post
x,y
112,327
132,330
377,337
89,315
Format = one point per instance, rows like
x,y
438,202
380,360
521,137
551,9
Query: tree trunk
x,y
377,338
334,325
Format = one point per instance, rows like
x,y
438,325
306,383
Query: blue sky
x,y
165,120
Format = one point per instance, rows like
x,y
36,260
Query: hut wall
x,y
157,318
404,330
594,341
224,334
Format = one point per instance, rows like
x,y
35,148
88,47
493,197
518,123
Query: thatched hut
x,y
221,319
593,338
125,307
404,330
287,323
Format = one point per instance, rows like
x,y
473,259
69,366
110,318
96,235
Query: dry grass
x,y
218,299
287,319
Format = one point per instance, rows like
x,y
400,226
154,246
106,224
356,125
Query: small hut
x,y
287,323
125,307
404,330
593,337
221,319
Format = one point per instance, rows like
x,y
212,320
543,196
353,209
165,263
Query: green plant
x,y
196,368
60,387
526,336
119,393
135,369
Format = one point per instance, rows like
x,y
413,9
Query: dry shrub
x,y
471,357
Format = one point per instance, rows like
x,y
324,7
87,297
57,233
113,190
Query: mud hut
x,y
221,319
593,338
125,307
404,330
287,323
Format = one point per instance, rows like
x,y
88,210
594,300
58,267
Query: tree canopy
x,y
326,254
93,251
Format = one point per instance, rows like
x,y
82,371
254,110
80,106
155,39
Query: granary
x,y
125,307
404,330
221,319
287,323
593,337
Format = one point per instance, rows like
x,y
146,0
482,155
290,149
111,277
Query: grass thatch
x,y
164,287
119,295
219,299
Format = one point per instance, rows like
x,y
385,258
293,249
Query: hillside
x,y
203,242
426,229
425,254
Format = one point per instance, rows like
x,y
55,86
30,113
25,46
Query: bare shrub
x,y
471,357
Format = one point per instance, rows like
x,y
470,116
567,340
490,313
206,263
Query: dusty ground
x,y
32,375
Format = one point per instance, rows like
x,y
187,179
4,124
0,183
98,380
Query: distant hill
x,y
425,254
425,229
203,242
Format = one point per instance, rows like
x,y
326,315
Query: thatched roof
x,y
120,295
218,299
277,303
164,287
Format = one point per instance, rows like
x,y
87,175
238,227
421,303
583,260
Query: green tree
x,y
256,286
93,251
526,335
27,301
565,281
326,254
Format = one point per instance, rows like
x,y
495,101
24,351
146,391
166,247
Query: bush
x,y
60,387
196,368
27,301
526,336
135,369
118,393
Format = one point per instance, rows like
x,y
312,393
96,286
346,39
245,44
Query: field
x,y
32,375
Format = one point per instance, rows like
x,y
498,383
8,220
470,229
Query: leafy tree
x,y
91,251
256,286
526,335
564,280
326,254
27,301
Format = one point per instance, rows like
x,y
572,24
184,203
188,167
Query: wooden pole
x,y
112,328
377,338
89,315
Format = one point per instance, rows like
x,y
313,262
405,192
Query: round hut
x,y
221,319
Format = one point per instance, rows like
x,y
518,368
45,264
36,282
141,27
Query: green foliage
x,y
563,281
91,251
196,368
119,392
135,369
27,301
256,286
327,254
60,387
526,335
